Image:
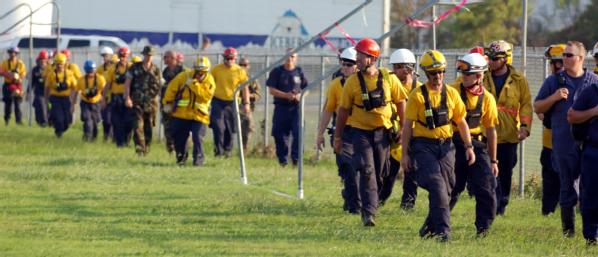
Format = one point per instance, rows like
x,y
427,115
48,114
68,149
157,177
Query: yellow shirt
x,y
195,99
18,66
104,68
75,69
115,71
82,87
227,80
333,97
416,106
378,117
547,138
489,117
409,87
52,82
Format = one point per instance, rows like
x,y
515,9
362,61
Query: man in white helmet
x,y
482,118
106,53
350,192
403,66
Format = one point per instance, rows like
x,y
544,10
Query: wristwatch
x,y
494,161
469,146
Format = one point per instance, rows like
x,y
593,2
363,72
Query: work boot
x,y
181,158
568,221
482,232
368,220
426,230
591,241
442,237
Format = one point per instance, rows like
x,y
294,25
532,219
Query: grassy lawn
x,y
63,197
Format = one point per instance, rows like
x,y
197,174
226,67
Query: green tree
x,y
583,29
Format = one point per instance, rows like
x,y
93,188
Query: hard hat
x,y
66,53
180,57
432,60
369,47
477,49
136,59
472,63
43,54
148,50
13,49
114,58
349,54
202,63
123,51
230,52
500,48
402,56
555,52
59,58
89,66
106,50
595,51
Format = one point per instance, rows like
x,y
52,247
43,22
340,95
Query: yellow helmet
x,y
555,52
202,63
114,58
500,48
432,60
136,59
60,58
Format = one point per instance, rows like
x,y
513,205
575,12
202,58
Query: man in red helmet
x,y
13,70
115,85
37,86
368,96
228,76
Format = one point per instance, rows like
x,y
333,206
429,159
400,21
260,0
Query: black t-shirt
x,y
37,81
286,81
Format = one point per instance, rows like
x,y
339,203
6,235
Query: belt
x,y
436,141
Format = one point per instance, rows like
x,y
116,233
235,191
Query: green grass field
x,y
63,197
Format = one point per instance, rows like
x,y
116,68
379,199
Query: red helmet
x,y
43,54
180,57
477,49
368,46
230,52
67,53
123,51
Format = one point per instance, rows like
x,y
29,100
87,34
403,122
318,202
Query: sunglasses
x,y
229,59
403,66
496,58
434,73
348,64
243,64
568,55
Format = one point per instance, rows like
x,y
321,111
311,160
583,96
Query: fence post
x,y
321,98
266,105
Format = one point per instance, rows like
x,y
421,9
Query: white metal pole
x,y
523,66
433,27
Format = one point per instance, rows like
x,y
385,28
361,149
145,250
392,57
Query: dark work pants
x,y
121,121
41,118
285,123
550,182
589,191
506,154
223,125
181,129
349,176
388,181
479,180
90,117
370,160
434,165
409,189
60,113
11,101
107,122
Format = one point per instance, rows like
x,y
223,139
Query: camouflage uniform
x,y
168,75
145,86
247,118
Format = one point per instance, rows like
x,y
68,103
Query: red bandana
x,y
476,90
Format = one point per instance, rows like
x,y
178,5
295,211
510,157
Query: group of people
x,y
447,137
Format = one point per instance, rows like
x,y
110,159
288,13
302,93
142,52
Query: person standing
x,y
141,88
90,87
115,87
368,97
106,53
37,86
172,69
187,100
285,83
513,100
254,95
13,70
428,148
60,92
556,96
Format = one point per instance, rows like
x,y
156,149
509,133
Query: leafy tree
x,y
583,29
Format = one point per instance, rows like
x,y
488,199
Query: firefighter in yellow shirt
x,y
350,192
60,91
514,103
73,67
482,118
90,86
228,76
187,100
13,70
427,146
367,96
107,53
120,114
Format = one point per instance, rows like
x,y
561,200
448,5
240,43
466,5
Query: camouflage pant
x,y
142,133
246,127
167,123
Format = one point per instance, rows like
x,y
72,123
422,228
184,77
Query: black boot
x,y
568,221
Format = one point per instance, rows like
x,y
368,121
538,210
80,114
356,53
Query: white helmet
x,y
106,50
402,56
472,63
595,51
349,54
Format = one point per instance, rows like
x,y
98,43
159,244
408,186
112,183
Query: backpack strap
x,y
365,96
428,109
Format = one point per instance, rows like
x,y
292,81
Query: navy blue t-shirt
x,y
562,141
37,81
587,99
499,83
286,81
